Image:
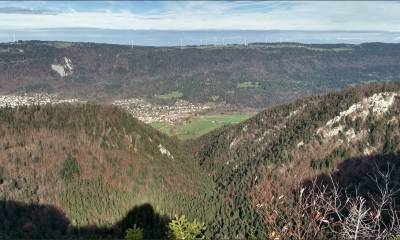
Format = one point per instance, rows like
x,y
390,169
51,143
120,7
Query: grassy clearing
x,y
248,85
170,95
199,125
62,44
163,127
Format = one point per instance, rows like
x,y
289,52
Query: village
x,y
139,108
148,112
34,99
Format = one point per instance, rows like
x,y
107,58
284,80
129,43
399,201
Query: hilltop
x,y
256,75
88,166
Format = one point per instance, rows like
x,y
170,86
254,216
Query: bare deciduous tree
x,y
326,210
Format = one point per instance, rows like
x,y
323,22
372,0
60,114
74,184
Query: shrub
x,y
70,168
134,233
180,228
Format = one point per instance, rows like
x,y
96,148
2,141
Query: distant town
x,y
139,108
148,112
34,99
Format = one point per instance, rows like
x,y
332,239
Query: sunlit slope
x,y
96,163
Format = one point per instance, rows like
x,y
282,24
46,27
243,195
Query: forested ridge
x,y
269,155
257,75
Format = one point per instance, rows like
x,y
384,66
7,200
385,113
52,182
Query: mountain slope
x,y
97,170
95,163
269,154
256,75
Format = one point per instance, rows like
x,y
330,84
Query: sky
x,y
202,15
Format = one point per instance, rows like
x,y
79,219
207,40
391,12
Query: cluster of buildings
x,y
148,112
139,108
33,99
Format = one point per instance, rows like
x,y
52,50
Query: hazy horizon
x,y
175,23
197,37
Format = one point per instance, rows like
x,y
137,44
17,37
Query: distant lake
x,y
177,38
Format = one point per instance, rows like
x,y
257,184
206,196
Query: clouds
x,y
21,10
196,15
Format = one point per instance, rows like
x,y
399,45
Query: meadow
x,y
199,125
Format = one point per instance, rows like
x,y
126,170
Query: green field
x,y
170,95
199,125
163,127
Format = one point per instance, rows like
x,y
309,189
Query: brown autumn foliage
x,y
95,163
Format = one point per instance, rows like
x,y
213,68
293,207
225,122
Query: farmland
x,y
199,125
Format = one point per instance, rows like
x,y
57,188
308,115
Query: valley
x,y
198,125
168,114
72,154
187,92
199,120
108,138
182,119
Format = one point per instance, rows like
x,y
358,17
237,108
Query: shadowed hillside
x,y
38,221
358,200
358,174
